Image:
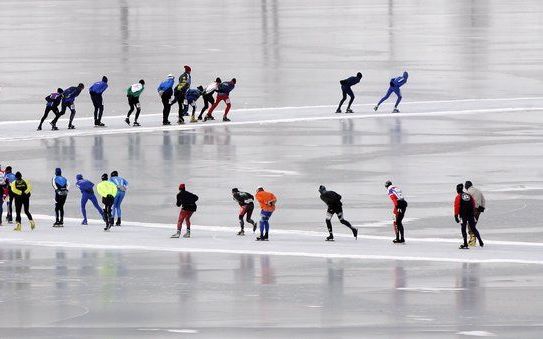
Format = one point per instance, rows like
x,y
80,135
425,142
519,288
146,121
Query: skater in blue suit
x,y
122,186
395,84
87,193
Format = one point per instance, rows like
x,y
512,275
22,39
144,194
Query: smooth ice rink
x,y
471,111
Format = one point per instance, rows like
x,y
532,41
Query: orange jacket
x,y
266,200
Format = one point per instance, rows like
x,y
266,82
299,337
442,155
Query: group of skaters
x,y
468,205
182,94
15,189
394,87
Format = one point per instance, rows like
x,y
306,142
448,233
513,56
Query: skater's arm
x,y
457,205
28,187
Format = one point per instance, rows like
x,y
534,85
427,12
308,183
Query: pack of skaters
x,y
87,193
60,186
246,208
346,85
223,94
480,205
464,213
52,102
187,201
400,206
165,91
21,190
334,206
122,187
96,91
394,87
267,201
133,94
107,190
68,101
207,96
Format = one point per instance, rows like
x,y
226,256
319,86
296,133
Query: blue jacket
x,y
85,186
226,87
192,95
121,184
351,81
53,99
399,81
165,85
98,87
70,94
60,182
10,177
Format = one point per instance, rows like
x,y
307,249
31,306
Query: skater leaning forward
x,y
346,85
394,87
187,201
21,189
334,205
267,201
133,94
464,213
60,185
246,204
400,206
107,190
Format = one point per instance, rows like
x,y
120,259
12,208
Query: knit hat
x,y
18,175
187,68
104,176
181,187
58,171
79,177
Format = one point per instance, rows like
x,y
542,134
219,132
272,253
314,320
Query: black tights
x,y
22,201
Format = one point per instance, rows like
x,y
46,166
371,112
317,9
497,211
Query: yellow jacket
x,y
106,188
21,186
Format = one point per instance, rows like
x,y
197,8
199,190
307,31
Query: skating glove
x,y
481,209
456,218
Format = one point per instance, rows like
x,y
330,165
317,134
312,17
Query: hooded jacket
x,y
187,200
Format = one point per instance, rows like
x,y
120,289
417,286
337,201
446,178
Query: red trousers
x,y
184,216
221,97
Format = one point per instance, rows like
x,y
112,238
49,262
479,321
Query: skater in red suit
x,y
223,93
187,202
400,205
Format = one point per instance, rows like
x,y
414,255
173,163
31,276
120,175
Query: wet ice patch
x,y
430,289
477,333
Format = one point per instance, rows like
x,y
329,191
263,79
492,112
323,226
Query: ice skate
x,y
127,120
464,247
349,110
18,227
397,241
101,124
181,121
54,128
395,110
118,223
193,119
176,235
39,128
225,119
84,222
136,124
242,232
71,127
330,238
355,233
166,123
200,117
254,227
472,242
32,224
56,224
338,110
376,108
187,234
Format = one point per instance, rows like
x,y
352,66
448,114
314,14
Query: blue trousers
x,y
117,204
84,198
395,90
264,224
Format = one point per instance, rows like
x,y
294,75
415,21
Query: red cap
x,y
187,68
181,186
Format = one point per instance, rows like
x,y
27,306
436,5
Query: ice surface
x,y
472,110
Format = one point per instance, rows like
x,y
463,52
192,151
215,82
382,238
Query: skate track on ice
x,y
26,129
223,240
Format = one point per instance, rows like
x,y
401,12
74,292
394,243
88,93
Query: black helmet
x,y
60,90
104,176
388,183
104,78
18,175
114,174
359,75
142,82
322,189
459,188
235,190
218,79
468,184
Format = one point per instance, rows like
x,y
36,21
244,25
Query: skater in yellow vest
x,y
21,189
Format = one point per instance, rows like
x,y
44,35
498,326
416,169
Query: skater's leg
x,y
94,201
18,205
72,114
473,228
26,206
117,205
399,94
182,216
138,111
351,95
463,224
59,114
45,114
249,213
389,92
9,204
242,212
166,109
187,220
205,97
329,223
343,98
343,221
228,105
57,208
132,106
61,203
84,199
213,106
100,113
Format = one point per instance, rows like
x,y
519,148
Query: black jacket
x,y
331,199
244,198
187,201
